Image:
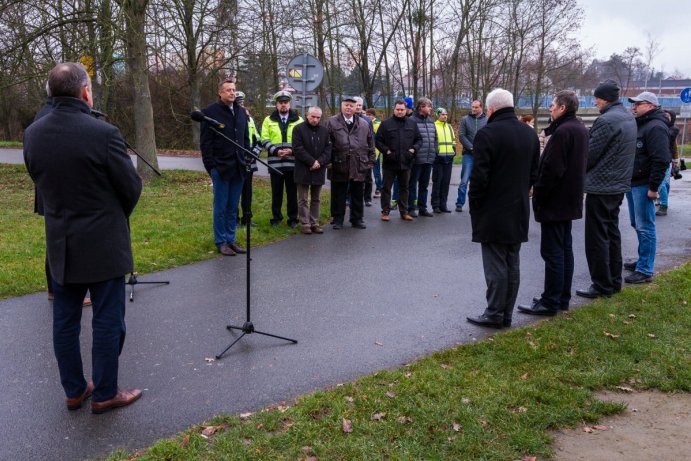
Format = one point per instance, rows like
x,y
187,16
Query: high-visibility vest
x,y
446,139
273,138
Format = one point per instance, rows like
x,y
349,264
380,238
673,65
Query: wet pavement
x,y
357,301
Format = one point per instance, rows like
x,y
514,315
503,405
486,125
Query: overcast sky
x,y
610,26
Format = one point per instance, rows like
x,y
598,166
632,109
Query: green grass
x,y
171,226
493,400
10,144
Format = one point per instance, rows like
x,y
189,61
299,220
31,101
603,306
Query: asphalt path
x,y
357,301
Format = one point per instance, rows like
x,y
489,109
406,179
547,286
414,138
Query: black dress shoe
x,y
506,323
413,213
592,293
484,321
563,307
630,266
638,277
436,210
426,214
337,225
359,225
293,224
445,210
537,309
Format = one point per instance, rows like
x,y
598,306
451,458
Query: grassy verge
x,y
492,400
171,226
10,144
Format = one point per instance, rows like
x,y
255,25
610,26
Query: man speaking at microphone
x,y
89,187
225,163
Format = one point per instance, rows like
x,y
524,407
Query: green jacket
x,y
275,137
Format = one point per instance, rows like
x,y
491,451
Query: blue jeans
x,y
108,326
417,189
377,173
466,169
664,187
226,199
642,215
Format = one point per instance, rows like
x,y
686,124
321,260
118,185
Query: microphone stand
x,y
132,279
247,327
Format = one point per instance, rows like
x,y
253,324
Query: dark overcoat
x,y
558,191
352,152
506,154
218,152
311,143
89,187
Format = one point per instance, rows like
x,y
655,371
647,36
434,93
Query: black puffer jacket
x,y
611,148
394,138
652,150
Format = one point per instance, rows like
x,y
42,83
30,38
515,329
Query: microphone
x,y
198,116
97,113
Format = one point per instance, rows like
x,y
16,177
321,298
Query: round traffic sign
x,y
305,73
685,95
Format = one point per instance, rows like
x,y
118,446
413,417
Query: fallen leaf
x,y
610,335
208,431
451,439
529,458
601,428
612,316
283,408
391,394
349,399
185,440
247,442
465,400
378,416
245,416
625,388
484,423
347,426
408,374
456,427
404,419
632,316
444,366
650,335
377,343
587,429
625,322
311,458
306,449
524,376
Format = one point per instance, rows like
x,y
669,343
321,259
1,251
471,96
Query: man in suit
x,y
225,163
89,187
506,153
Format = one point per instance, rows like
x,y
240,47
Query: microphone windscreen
x,y
197,116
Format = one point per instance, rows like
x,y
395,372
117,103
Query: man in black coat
x,y
225,163
398,139
89,187
506,153
558,200
312,152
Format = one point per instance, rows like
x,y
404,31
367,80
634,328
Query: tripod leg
x,y
294,341
219,356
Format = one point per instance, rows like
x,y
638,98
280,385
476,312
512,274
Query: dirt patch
x,y
655,426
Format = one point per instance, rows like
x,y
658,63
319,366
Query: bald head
x,y
68,79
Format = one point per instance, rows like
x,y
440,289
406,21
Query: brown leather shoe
x,y
406,217
123,398
317,229
236,248
226,250
75,403
385,217
306,230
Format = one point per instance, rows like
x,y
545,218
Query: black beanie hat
x,y
607,90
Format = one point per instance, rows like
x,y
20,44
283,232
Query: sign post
x,y
305,73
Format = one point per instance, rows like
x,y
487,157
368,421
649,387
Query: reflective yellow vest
x,y
446,139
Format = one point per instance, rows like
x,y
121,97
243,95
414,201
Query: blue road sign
x,y
685,95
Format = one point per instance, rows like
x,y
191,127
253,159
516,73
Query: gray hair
x,y
568,99
421,102
314,108
68,79
499,99
359,99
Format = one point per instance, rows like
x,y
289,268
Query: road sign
x,y
305,100
305,73
685,95
685,111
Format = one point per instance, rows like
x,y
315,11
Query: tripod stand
x,y
132,279
247,327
